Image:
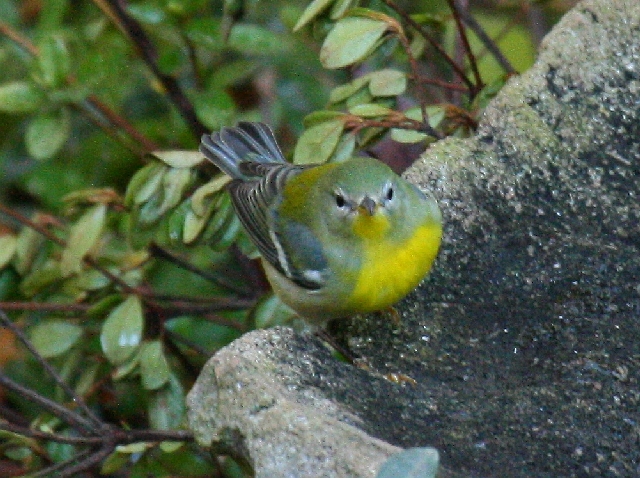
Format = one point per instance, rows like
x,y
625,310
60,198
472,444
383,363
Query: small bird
x,y
336,239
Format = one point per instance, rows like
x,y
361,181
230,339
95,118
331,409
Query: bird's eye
x,y
389,194
340,200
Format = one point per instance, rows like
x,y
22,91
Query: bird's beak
x,y
368,206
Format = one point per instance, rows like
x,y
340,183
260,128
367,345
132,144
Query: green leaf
x,y
408,136
127,368
29,245
314,9
215,108
370,110
256,40
8,245
171,446
345,148
53,60
179,158
122,331
387,82
154,368
167,405
136,447
20,97
201,194
318,142
146,13
47,133
55,337
144,184
40,277
411,463
114,462
340,7
436,114
351,40
87,379
83,237
342,92
321,116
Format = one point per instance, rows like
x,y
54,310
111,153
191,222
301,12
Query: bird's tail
x,y
246,142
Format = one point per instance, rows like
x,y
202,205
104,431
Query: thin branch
x,y
160,252
489,44
122,123
465,42
4,319
440,83
58,410
44,306
425,34
40,435
426,127
18,39
58,467
115,10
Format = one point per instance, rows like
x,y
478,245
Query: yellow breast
x,y
391,270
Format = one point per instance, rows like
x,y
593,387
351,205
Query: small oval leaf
x,y
8,245
387,82
217,184
47,133
20,97
122,331
318,142
154,368
167,405
178,158
314,9
351,40
53,338
83,236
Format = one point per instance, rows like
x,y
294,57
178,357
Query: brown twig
x,y
160,252
489,44
115,10
44,306
425,34
404,41
123,124
56,409
467,47
18,39
440,83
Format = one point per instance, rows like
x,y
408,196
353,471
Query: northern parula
x,y
336,239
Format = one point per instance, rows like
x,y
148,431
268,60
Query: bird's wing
x,y
255,203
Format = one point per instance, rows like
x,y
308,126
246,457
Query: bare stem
x,y
467,47
425,34
44,306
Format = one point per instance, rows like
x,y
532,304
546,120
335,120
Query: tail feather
x,y
246,142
